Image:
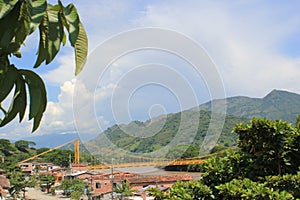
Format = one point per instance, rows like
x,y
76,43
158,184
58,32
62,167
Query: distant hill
x,y
277,104
171,127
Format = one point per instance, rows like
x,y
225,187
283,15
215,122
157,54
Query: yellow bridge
x,y
150,162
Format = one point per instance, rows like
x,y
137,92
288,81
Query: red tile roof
x,y
4,182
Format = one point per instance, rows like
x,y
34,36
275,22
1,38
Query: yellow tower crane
x,y
76,152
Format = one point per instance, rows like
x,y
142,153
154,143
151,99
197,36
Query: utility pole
x,y
112,178
70,162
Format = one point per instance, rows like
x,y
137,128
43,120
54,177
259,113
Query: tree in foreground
x,y
18,20
272,145
265,166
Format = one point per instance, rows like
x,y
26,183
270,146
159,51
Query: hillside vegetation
x,y
146,137
122,136
277,104
12,153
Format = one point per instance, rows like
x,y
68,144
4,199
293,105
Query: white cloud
x,y
64,72
244,39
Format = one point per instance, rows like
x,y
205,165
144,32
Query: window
x,y
98,185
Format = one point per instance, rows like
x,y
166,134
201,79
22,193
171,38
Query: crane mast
x,y
76,152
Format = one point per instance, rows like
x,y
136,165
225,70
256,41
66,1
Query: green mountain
x,y
178,130
172,131
277,104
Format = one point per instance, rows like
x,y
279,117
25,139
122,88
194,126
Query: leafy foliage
x,y
287,182
190,190
124,189
17,180
158,195
60,157
47,181
273,145
165,135
247,189
245,173
21,150
277,104
6,147
19,19
23,145
75,187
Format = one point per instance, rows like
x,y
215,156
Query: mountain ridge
x,y
278,104
275,105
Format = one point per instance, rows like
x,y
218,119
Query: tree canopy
x,y
18,20
264,166
23,145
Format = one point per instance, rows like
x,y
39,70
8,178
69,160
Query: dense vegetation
x,y
152,135
265,166
275,105
13,153
168,131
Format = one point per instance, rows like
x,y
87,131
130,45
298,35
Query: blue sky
x,y
255,46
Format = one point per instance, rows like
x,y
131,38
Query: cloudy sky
x,y
254,46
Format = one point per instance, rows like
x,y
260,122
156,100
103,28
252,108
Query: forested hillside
x,y
168,131
145,137
277,104
12,153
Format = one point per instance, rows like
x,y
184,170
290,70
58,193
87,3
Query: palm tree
x,y
124,189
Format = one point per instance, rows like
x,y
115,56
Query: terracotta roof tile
x,y
4,182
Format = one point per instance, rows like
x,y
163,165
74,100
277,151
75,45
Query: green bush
x,y
52,191
76,195
190,190
288,182
247,189
219,170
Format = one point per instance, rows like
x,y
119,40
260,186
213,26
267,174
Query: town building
x,y
4,185
102,184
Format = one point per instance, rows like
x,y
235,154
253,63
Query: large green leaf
x,y
6,6
22,100
72,22
55,34
43,44
10,22
19,101
81,49
12,112
37,9
38,96
7,80
23,27
20,18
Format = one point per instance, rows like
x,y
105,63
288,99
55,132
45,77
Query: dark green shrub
x,y
190,190
247,189
288,182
